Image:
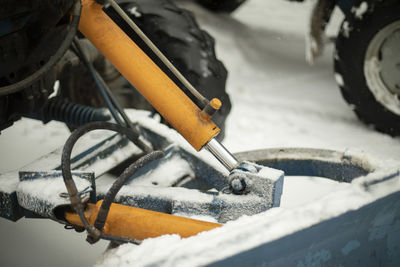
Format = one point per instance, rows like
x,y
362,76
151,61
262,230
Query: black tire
x,y
175,32
355,37
223,6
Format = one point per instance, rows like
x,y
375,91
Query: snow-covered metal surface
x,y
154,186
264,192
374,184
360,10
30,189
358,225
42,192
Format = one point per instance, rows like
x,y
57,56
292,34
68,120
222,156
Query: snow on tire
x,y
367,63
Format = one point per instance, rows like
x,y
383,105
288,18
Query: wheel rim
x,y
382,67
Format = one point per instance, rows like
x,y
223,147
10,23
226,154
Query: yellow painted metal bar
x,y
140,224
165,96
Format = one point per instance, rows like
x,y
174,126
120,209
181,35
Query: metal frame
x,y
183,182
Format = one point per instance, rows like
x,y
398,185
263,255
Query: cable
x,y
158,53
95,234
117,105
70,113
98,80
112,192
110,99
75,14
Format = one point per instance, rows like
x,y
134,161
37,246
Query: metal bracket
x,y
99,153
42,192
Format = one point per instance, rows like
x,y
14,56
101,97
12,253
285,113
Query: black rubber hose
x,y
121,180
98,80
76,202
75,14
116,104
72,114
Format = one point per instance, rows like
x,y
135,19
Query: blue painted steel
x,y
56,174
329,164
9,207
311,162
369,236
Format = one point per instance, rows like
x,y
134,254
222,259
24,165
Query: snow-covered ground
x,y
278,101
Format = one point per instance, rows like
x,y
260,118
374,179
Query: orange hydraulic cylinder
x,y
165,96
140,224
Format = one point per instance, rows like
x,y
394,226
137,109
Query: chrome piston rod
x,y
222,154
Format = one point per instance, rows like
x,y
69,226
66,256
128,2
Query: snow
x,y
339,79
269,226
56,89
360,10
346,29
168,168
134,11
47,192
8,182
278,101
312,49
